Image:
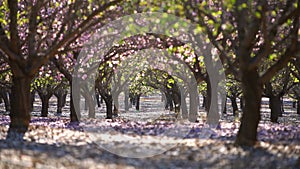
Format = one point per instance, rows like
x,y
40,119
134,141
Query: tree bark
x,y
294,104
281,107
193,114
116,104
45,104
275,106
126,100
204,102
32,99
89,104
224,105
74,101
61,100
98,100
109,103
298,106
234,105
20,107
4,95
137,105
184,110
252,92
241,103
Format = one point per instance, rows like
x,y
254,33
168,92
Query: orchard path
x,y
55,143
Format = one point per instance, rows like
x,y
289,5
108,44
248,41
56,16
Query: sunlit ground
x,y
55,143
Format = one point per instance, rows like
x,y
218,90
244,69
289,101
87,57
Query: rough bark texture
x,y
20,107
252,90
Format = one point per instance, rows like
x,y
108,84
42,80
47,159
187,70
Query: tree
x,y
275,89
246,33
37,31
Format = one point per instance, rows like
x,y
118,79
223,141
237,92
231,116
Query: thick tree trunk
x,y
20,107
177,101
74,101
45,104
116,104
234,105
61,100
252,92
89,104
184,110
193,114
109,106
275,106
213,113
91,107
98,100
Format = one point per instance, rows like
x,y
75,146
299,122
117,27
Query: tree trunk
x,y
241,103
32,99
275,106
126,100
281,107
298,106
109,103
224,105
204,102
20,107
184,110
89,103
98,100
74,101
212,98
5,97
91,106
116,104
61,100
177,101
294,104
137,105
208,95
234,105
252,92
193,114
45,104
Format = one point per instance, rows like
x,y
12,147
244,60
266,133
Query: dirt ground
x,y
146,143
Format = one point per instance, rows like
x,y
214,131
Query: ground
x,y
55,143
